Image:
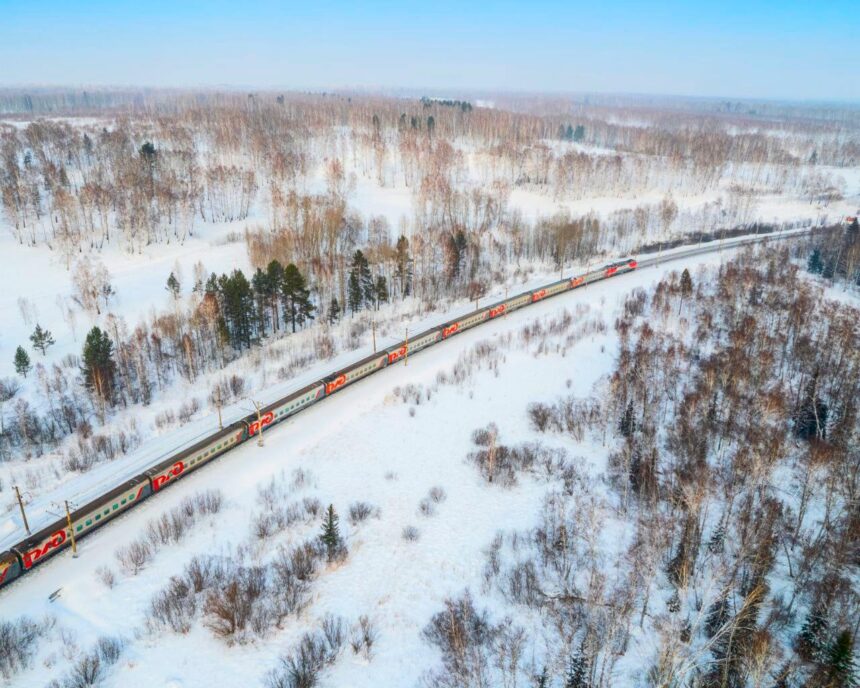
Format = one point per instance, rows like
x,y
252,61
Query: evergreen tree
x,y
330,536
840,661
297,302
542,680
22,362
41,339
627,424
381,290
431,126
98,365
560,134
812,639
262,292
568,134
238,307
173,286
403,263
577,671
579,133
815,265
360,287
333,311
354,292
275,273
811,418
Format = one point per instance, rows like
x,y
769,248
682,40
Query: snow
x,y
350,445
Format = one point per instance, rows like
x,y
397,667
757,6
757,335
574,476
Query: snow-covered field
x,y
365,444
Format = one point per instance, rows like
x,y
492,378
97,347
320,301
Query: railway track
x,y
123,494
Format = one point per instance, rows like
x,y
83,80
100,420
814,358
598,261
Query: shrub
x,y
426,507
361,511
410,534
173,607
364,636
437,494
133,557
106,575
18,640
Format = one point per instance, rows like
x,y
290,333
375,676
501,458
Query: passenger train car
x,y
56,537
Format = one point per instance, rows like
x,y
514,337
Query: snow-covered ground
x,y
364,444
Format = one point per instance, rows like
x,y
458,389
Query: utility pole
x,y
259,423
21,506
373,332
406,355
218,405
71,531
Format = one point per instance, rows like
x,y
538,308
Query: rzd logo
x,y
451,329
175,471
397,355
337,383
254,427
498,310
538,295
576,281
31,557
611,271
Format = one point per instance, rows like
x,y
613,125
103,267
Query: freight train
x,y
56,537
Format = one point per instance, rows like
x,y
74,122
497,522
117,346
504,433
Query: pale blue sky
x,y
799,50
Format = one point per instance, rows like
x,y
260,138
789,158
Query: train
x,y
53,539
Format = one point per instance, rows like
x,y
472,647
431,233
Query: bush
x,y
173,607
133,557
316,651
437,494
107,576
410,534
234,606
361,511
18,640
364,636
426,507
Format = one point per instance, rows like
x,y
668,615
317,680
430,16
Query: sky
x,y
734,48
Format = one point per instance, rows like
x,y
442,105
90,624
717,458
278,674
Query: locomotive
x,y
56,537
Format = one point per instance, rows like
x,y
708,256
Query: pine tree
x,y
41,339
173,286
275,273
262,292
542,680
815,265
840,661
403,269
330,536
98,365
360,287
238,307
22,362
577,671
333,311
297,303
579,133
812,639
381,290
627,424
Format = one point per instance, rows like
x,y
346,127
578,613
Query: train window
x,y
98,517
89,522
115,507
130,497
107,511
123,501
79,528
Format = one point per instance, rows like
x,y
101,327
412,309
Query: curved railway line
x,y
59,535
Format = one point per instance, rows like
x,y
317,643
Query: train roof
x,y
61,522
357,364
193,449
